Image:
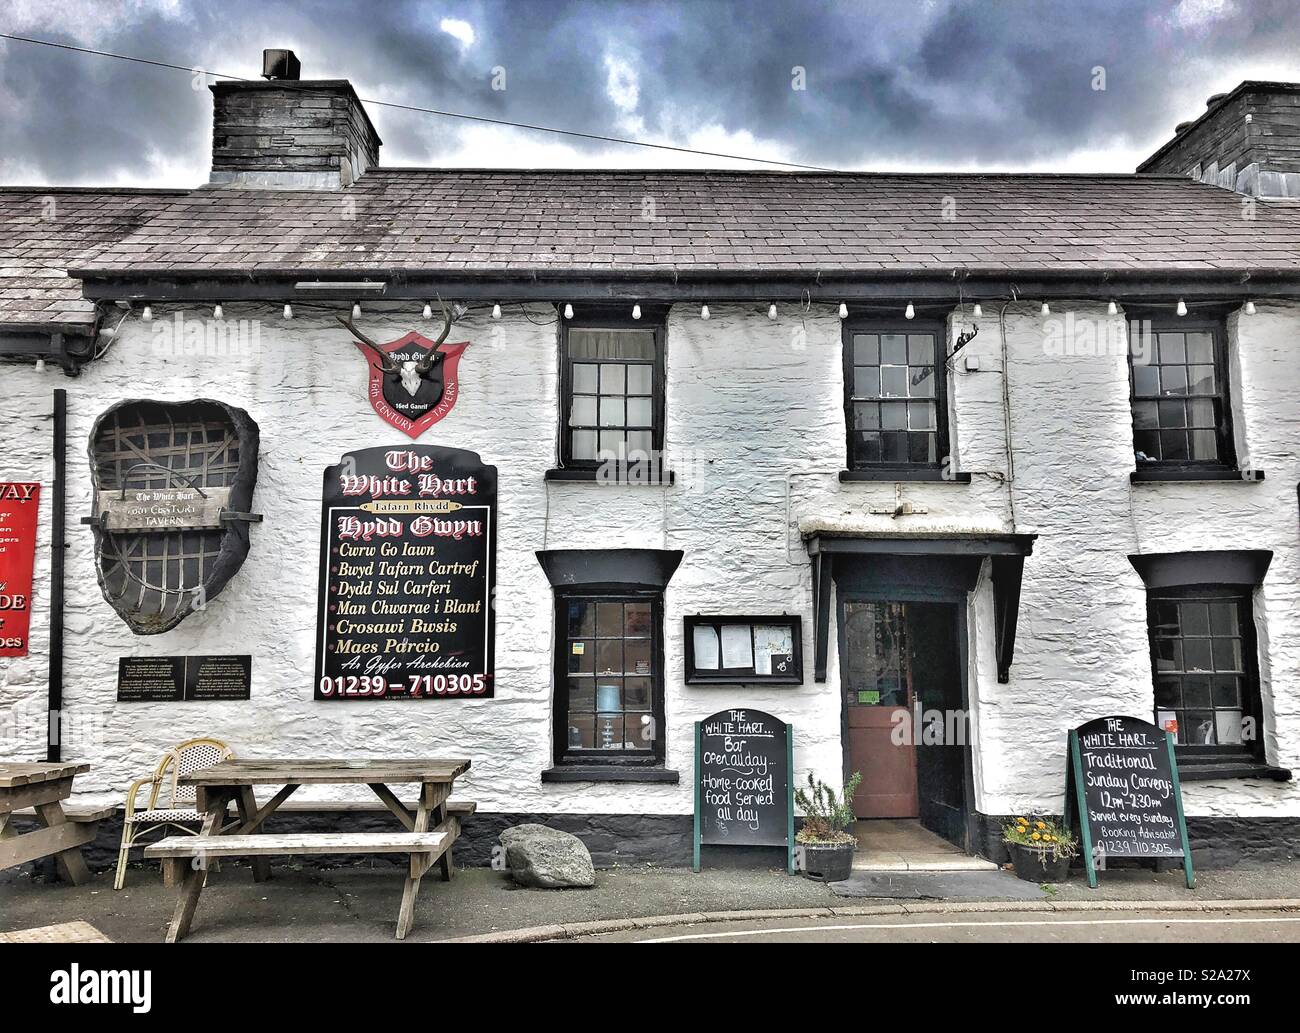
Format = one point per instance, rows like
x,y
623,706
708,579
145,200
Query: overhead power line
x,y
532,127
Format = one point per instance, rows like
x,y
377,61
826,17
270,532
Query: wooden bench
x,y
37,791
77,812
429,829
265,844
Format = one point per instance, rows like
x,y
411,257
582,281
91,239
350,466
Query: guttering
x,y
695,284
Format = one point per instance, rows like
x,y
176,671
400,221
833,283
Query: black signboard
x,y
183,679
1123,779
407,569
743,792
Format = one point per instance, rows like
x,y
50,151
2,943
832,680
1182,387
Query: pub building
x,y
541,467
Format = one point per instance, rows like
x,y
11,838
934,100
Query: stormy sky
x,y
885,84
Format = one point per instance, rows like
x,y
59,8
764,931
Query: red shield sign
x,y
417,386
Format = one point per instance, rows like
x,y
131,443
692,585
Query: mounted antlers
x,y
386,363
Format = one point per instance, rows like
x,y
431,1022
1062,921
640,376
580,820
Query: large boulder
x,y
548,858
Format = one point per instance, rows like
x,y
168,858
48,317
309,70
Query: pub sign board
x,y
1123,779
743,792
19,503
407,572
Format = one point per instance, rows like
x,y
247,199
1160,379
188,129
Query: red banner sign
x,y
19,503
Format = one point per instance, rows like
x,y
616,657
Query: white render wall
x,y
755,432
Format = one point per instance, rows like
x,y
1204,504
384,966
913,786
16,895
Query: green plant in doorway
x,y
826,816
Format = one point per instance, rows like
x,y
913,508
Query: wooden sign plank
x,y
163,509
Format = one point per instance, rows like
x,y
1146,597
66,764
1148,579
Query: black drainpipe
x,y
58,549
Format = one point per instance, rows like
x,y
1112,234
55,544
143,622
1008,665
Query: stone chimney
x,y
289,134
1247,140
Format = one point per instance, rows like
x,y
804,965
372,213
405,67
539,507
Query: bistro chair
x,y
169,805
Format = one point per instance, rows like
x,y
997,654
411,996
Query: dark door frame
x,y
905,593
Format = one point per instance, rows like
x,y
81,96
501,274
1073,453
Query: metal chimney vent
x,y
280,64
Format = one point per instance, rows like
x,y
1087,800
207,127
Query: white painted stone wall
x,y
755,432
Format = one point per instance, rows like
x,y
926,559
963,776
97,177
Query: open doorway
x,y
905,725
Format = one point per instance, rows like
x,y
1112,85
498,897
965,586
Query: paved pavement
x,y
359,904
1152,926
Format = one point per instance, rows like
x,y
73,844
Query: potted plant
x,y
825,844
1041,849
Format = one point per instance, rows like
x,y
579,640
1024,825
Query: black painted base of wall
x,y
1216,842
665,839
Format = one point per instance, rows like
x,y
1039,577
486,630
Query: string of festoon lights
x,y
909,312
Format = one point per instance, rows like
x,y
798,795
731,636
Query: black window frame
x,y
943,440
653,319
1252,701
1216,326
562,755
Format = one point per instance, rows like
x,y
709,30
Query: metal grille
x,y
157,446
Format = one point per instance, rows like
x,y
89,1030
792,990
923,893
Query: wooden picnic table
x,y
42,787
431,827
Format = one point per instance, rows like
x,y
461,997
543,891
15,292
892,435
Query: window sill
x,y
609,773
903,474
622,478
1155,475
1205,771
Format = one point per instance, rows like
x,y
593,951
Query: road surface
x,y
1000,927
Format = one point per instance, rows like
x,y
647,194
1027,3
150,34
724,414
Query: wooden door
x,y
878,694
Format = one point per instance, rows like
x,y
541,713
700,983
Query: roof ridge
x,y
774,173
8,189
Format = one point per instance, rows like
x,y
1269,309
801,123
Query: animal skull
x,y
411,377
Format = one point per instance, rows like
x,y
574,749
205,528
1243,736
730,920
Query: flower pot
x,y
1035,864
828,862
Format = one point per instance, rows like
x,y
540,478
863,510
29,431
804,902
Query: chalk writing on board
x,y
1128,789
744,781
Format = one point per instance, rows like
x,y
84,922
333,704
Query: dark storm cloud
x,y
956,83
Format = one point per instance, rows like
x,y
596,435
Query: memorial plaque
x,y
183,679
407,570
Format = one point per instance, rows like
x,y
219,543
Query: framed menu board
x,y
722,650
743,792
407,571
1123,779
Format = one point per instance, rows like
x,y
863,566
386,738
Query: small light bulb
x,y
704,311
771,311
636,311
356,310
977,311
217,312
1112,309
844,311
288,311
568,311
40,365
1181,308
1250,308
910,311
1046,310
496,311
147,314
428,311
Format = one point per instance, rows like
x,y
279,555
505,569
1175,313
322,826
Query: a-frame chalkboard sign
x,y
1122,777
744,795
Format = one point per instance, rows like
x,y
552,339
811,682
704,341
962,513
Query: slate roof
x,y
42,230
593,223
